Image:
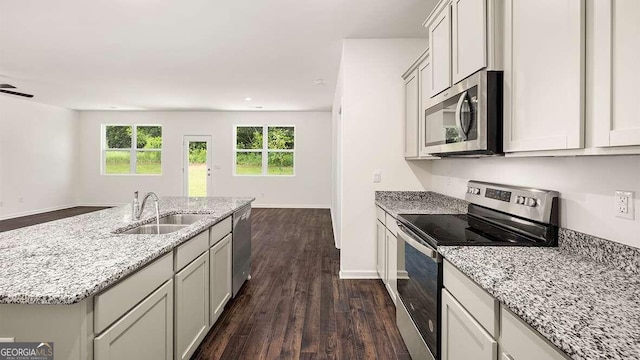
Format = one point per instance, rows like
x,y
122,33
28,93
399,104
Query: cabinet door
x,y
463,337
615,59
392,265
146,332
381,251
220,277
544,75
440,49
424,79
412,116
192,306
469,35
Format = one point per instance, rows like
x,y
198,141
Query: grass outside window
x,y
122,155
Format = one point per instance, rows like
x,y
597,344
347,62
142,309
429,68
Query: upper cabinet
x,y
439,32
469,37
614,94
544,77
412,115
417,89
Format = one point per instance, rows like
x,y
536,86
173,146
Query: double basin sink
x,y
168,224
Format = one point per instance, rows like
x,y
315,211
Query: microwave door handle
x,y
426,250
459,125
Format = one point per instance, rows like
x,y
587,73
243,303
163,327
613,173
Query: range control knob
x,y
476,191
531,202
520,200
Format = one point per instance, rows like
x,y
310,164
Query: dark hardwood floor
x,y
295,307
19,222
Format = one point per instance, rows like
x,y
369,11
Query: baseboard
x,y
35,212
336,243
362,274
290,206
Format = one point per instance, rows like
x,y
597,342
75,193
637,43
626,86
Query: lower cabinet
x,y
191,306
462,336
392,265
381,251
220,277
146,332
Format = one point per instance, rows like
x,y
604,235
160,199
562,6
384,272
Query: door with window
x,y
197,166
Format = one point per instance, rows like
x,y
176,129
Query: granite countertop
x,y
66,261
584,296
419,202
588,309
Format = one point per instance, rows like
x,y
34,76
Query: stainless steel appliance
x,y
466,119
498,215
241,248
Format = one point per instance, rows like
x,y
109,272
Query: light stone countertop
x,y
68,260
583,296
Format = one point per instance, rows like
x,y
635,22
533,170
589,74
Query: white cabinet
x,y
146,332
439,30
412,115
469,37
381,251
191,306
220,277
520,342
462,336
544,74
392,265
614,59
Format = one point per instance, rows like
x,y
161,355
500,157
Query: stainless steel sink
x,y
155,229
184,219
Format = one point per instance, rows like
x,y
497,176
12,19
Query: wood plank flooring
x,y
20,222
295,307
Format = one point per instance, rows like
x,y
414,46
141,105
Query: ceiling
x,y
190,54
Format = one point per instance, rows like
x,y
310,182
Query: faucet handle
x,y
135,195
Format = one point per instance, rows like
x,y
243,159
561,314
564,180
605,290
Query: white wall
x,y
310,187
586,186
38,153
372,139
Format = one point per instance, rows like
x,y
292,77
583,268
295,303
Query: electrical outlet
x,y
377,176
624,204
1,203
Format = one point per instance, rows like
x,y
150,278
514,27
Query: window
x,y
264,150
122,155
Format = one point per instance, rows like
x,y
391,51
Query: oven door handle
x,y
405,234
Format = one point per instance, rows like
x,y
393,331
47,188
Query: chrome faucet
x,y
137,208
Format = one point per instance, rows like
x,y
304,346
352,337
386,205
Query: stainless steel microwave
x,y
466,119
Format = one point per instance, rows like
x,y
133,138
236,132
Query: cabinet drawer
x,y
219,231
482,306
190,250
380,214
524,343
117,300
391,224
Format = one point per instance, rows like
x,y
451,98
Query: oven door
x,y
419,289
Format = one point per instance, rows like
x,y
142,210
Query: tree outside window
x,y
265,150
121,155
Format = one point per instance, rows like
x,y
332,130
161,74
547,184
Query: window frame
x,y
264,151
133,150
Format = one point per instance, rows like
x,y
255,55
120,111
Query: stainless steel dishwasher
x,y
241,248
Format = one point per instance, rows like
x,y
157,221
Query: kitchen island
x,y
54,274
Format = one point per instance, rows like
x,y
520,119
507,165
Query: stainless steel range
x,y
498,215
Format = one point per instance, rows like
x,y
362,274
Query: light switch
x,y
377,176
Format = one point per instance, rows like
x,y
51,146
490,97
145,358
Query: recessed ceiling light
x,y
258,107
248,99
318,82
113,107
